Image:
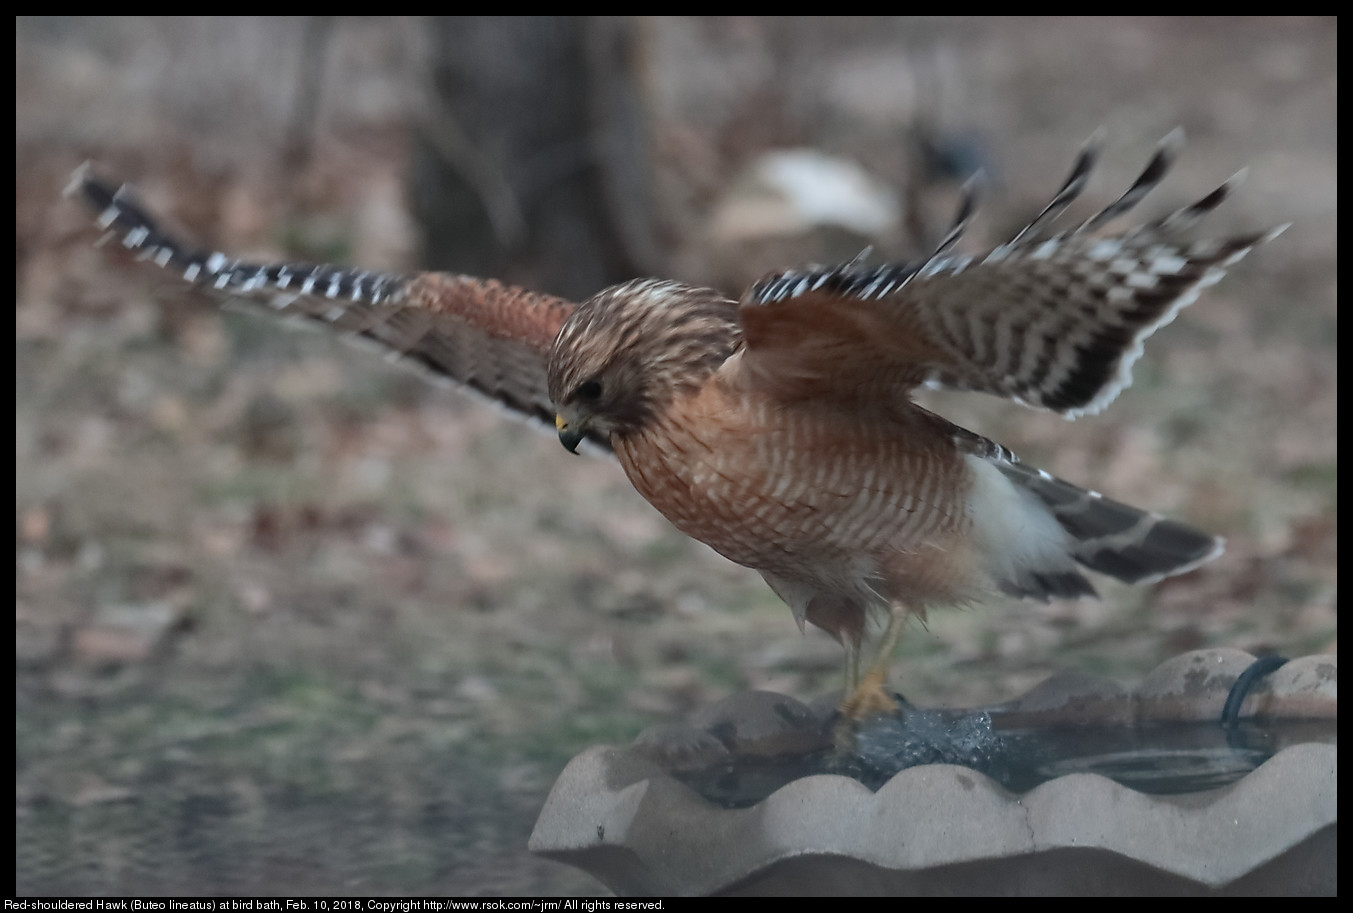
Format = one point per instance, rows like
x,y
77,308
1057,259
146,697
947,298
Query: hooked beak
x,y
569,437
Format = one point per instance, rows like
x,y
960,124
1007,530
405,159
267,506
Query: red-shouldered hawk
x,y
779,429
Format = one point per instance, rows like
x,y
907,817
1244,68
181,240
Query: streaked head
x,y
624,353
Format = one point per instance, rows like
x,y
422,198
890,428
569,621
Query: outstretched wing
x,y
1051,320
479,334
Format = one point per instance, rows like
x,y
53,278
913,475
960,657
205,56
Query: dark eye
x,y
589,390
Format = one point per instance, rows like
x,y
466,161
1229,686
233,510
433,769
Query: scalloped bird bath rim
x,y
621,815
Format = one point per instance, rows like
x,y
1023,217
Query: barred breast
x,y
873,506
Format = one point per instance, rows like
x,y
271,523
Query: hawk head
x,y
627,351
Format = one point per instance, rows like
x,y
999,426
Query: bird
x,y
780,427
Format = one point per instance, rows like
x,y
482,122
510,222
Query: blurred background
x,y
290,620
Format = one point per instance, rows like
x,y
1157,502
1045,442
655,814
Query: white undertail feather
x,y
1021,546
1116,539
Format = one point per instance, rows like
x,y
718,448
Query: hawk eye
x,y
589,390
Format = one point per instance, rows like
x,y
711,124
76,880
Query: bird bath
x,y
1079,786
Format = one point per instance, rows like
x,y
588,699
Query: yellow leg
x,y
868,697
852,664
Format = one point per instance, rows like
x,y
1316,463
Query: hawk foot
x,y
869,698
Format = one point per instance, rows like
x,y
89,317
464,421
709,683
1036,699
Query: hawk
x,y
779,428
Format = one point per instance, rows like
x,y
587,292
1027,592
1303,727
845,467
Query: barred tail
x,y
1135,546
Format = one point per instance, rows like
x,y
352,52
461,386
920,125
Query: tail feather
x,y
1048,584
1115,539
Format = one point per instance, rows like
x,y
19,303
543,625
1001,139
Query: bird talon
x,y
869,699
868,702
